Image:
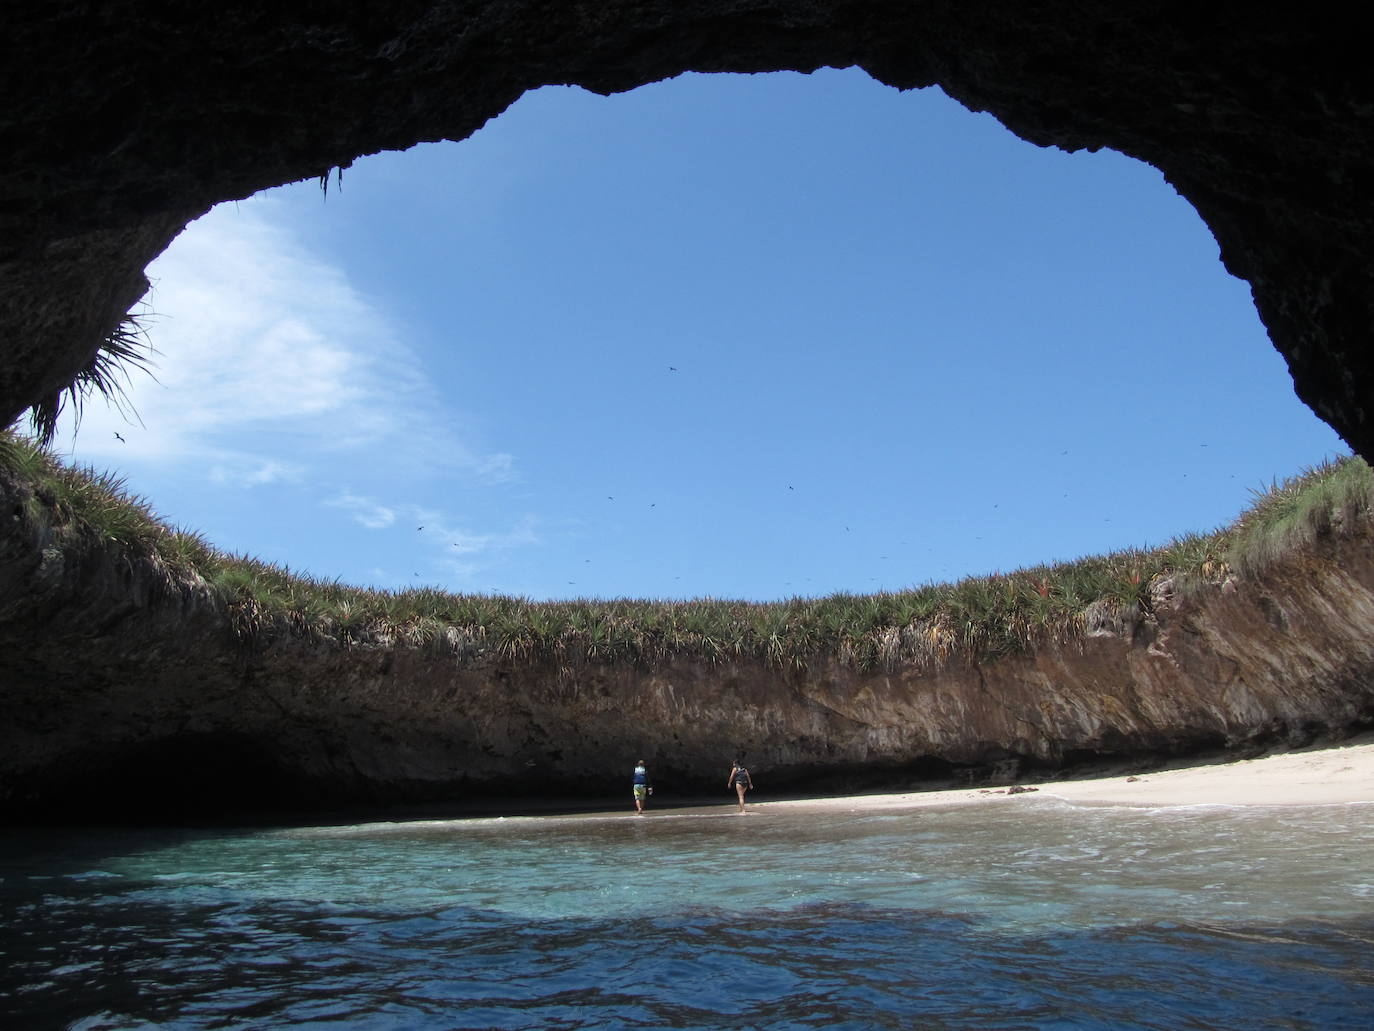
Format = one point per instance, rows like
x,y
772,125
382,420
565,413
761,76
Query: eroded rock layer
x,y
124,119
129,695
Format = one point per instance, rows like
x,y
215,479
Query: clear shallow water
x,y
1031,914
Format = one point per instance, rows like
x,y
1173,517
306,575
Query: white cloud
x,y
275,376
461,555
456,547
366,511
266,348
254,473
467,544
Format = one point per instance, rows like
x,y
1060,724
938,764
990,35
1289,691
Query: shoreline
x,y
1333,775
1340,774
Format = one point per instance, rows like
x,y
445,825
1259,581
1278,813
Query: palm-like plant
x,y
106,374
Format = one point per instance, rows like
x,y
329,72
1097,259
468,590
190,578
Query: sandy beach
x,y
1319,776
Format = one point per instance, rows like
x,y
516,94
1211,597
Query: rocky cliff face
x,y
125,693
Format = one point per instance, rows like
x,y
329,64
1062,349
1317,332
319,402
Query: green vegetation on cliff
x,y
978,617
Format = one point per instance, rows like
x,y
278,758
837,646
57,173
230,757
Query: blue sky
x,y
727,336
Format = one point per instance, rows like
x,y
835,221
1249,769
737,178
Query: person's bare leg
x,y
739,790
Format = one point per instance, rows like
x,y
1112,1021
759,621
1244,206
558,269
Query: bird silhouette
x,y
418,529
672,368
119,438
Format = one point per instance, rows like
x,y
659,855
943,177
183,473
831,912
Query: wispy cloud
x,y
464,556
284,403
266,348
470,543
365,511
460,554
254,472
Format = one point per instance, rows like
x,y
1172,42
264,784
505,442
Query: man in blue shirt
x,y
643,786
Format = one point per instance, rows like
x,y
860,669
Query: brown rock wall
x,y
125,694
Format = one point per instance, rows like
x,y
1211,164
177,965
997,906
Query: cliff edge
x,y
132,688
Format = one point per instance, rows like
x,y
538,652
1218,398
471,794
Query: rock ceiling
x,y
126,119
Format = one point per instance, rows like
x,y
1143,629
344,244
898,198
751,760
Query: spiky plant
x,y
1297,511
106,374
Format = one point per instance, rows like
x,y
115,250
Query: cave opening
x,y
741,336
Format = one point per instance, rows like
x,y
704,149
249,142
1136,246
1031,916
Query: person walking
x,y
643,786
740,778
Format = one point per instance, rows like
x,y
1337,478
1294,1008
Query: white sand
x,y
1325,776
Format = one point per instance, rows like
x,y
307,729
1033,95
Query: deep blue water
x,y
1035,915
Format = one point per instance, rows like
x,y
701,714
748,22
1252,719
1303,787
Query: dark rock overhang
x,y
125,119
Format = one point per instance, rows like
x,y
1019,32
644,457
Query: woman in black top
x,y
739,777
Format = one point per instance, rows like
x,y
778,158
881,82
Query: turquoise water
x,y
1028,914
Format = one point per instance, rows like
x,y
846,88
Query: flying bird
x,y
418,529
119,438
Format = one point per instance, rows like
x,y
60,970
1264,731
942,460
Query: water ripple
x,y
1041,917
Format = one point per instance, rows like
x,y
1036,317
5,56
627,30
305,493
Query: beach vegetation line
x,y
973,619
